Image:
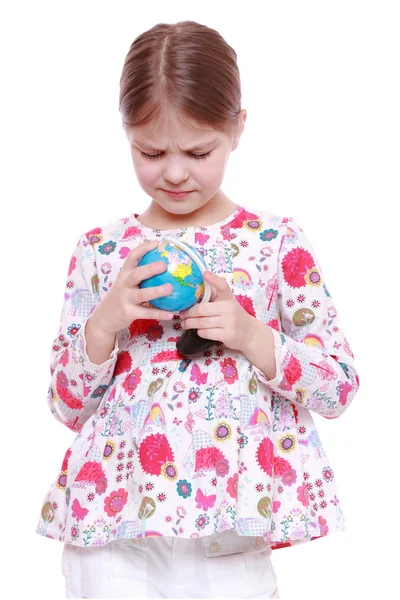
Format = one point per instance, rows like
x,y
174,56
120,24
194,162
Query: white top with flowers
x,y
171,446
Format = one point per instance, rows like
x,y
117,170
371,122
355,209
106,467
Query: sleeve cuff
x,y
278,345
107,362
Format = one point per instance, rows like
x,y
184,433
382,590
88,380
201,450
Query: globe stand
x,y
190,343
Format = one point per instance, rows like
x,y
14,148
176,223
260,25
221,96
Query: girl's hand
x,y
122,303
223,319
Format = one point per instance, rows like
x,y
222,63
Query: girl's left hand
x,y
222,319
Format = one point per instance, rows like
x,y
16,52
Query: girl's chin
x,y
180,207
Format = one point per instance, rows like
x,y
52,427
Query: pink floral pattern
x,y
210,438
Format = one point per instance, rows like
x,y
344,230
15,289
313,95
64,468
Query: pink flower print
x,y
229,370
101,485
295,266
276,506
303,494
289,477
242,216
324,529
293,370
155,332
64,358
132,380
231,486
94,235
131,232
115,502
72,265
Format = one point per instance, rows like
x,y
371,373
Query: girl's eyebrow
x,y
198,147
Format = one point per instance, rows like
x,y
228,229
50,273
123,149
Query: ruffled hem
x,y
54,534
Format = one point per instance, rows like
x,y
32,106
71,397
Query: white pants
x,y
224,565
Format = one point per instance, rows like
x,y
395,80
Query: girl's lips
x,y
178,194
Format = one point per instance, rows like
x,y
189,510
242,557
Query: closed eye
x,y
155,156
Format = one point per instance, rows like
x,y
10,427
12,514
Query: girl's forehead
x,y
168,129
162,135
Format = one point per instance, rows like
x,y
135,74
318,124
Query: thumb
x,y
213,294
221,287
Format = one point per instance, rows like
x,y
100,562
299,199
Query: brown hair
x,y
186,66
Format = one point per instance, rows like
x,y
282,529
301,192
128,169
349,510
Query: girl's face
x,y
175,157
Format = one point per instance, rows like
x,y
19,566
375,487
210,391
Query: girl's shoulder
x,y
268,223
121,229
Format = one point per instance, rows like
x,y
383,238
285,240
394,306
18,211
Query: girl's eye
x,y
155,156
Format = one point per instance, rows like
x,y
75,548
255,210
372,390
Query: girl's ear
x,y
240,128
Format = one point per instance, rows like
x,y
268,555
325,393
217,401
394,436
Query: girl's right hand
x,y
122,303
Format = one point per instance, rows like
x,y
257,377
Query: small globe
x,y
184,273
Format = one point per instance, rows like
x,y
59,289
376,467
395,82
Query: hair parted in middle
x,y
186,67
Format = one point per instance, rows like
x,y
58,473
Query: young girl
x,y
187,471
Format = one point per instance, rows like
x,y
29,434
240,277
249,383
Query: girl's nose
x,y
176,171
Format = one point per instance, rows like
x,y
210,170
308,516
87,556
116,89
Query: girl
x,y
187,471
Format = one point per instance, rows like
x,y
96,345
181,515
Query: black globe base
x,y
190,343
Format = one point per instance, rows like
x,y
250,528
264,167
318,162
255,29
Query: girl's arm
x,y
77,384
314,365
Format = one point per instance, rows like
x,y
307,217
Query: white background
x,y
320,82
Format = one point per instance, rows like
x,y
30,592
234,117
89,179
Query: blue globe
x,y
183,273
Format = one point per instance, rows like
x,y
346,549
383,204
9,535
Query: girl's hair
x,y
185,66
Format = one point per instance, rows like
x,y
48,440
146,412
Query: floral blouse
x,y
166,445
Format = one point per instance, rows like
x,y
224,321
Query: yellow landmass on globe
x,y
182,271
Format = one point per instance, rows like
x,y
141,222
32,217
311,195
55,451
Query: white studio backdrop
x,y
320,82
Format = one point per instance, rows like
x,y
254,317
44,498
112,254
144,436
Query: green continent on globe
x,y
180,272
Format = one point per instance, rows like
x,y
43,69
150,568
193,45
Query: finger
x,y
202,323
145,312
222,287
204,309
146,271
213,294
210,334
151,293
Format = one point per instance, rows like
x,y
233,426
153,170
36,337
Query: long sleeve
x,y
314,362
77,385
